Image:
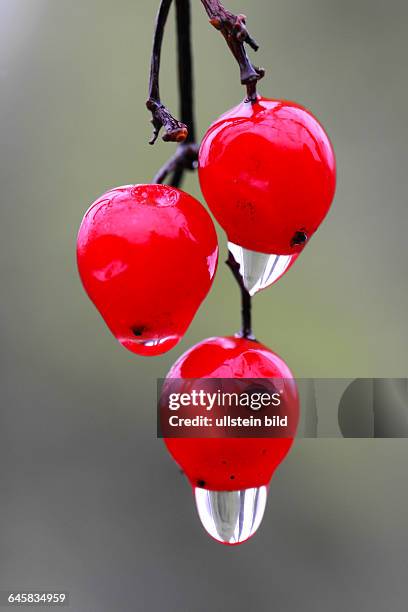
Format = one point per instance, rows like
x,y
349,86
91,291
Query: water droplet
x,y
259,270
231,517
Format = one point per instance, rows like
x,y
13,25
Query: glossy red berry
x,y
231,464
147,256
267,171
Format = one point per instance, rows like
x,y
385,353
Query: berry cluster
x,y
147,257
267,173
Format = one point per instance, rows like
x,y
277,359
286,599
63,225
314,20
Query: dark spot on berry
x,y
201,483
298,238
224,462
138,330
264,451
232,477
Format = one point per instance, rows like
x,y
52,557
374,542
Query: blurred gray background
x,y
90,502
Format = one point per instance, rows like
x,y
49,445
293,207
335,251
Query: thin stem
x,y
185,66
186,155
185,158
246,331
175,130
233,28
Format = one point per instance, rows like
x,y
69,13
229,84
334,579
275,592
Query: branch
x,y
185,66
176,131
185,158
186,155
233,28
246,331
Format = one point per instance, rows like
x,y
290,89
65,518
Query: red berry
x,y
267,172
147,256
231,464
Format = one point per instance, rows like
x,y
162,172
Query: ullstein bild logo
x,y
227,408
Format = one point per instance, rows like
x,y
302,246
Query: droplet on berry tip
x,y
260,270
231,517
